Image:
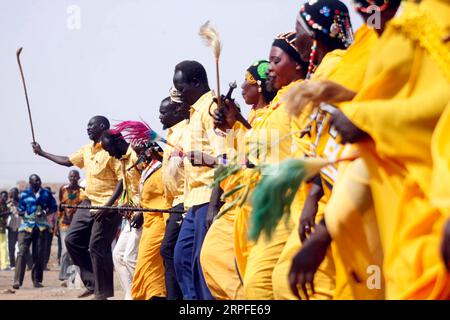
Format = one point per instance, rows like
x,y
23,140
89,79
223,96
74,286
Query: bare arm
x,y
214,205
116,194
307,218
100,214
61,160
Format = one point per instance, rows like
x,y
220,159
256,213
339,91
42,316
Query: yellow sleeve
x,y
116,167
77,158
440,148
406,117
328,64
217,139
279,136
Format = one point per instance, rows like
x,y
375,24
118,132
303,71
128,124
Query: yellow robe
x,y
148,280
351,222
402,99
342,208
324,281
440,147
220,270
273,136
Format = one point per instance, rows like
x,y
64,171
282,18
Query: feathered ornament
x,y
211,38
304,97
276,190
139,132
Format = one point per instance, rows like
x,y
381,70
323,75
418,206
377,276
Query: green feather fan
x,y
224,171
274,194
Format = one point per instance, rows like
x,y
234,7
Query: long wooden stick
x,y
70,206
219,98
26,93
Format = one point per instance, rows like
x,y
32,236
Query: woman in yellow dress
x,y
398,106
219,270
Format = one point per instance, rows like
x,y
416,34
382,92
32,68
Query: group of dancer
x,y
334,187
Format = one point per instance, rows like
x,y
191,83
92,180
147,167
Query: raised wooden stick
x,y
26,94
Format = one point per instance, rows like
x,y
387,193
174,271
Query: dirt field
x,y
52,289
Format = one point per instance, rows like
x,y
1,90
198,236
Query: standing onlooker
x,y
4,213
34,204
68,194
13,225
51,218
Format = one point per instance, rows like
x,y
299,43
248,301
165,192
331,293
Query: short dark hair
x,y
169,101
111,136
102,120
75,171
3,192
34,175
192,70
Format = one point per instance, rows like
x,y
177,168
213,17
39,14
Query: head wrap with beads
x,y
257,74
326,21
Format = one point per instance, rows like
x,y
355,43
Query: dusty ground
x,y
52,289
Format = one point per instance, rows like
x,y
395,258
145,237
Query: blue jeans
x,y
187,255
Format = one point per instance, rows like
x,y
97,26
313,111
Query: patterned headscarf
x,y
329,20
257,74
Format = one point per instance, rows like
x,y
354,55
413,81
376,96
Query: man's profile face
x,y
94,129
3,197
109,147
167,114
188,90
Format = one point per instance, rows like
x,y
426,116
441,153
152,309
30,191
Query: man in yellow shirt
x,y
88,240
173,117
191,81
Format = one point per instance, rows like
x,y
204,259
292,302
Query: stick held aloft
x,y
26,93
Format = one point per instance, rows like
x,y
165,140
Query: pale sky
x,y
118,63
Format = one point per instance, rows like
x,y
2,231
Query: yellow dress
x,y
324,281
440,192
148,280
352,258
269,141
399,105
220,270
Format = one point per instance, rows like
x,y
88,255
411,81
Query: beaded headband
x,y
286,41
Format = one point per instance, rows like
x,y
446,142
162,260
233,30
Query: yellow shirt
x,y
201,136
173,166
100,172
132,177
